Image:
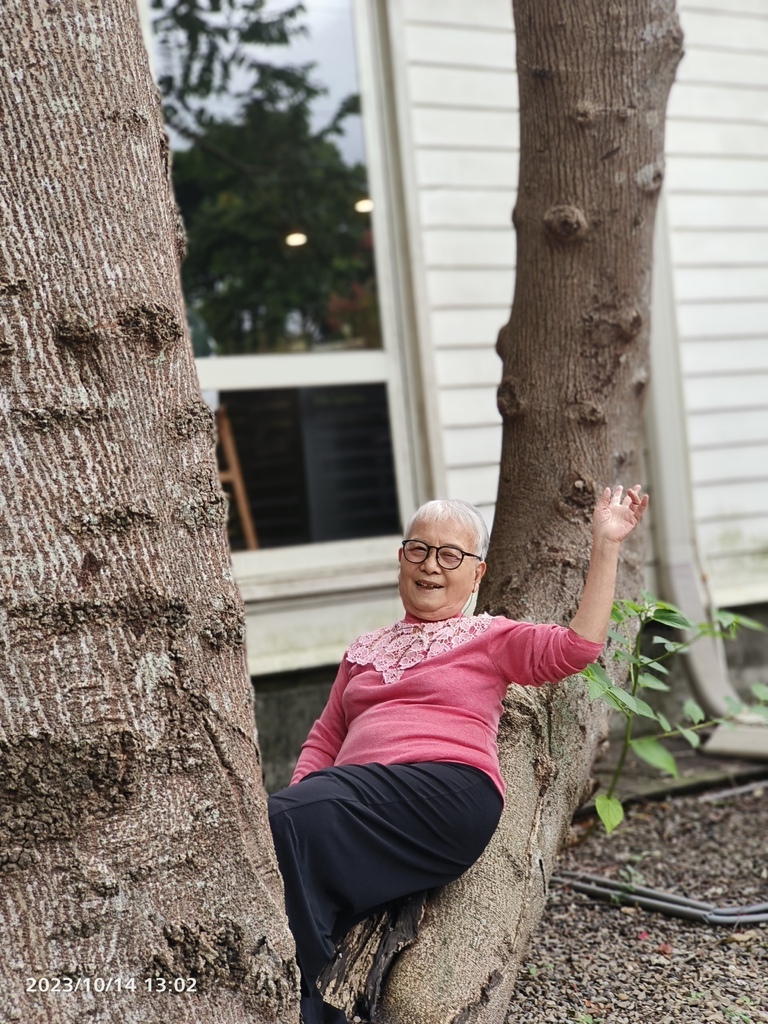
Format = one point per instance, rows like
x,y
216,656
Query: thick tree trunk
x,y
594,80
134,850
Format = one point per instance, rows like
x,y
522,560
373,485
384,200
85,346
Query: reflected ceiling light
x,y
296,238
364,205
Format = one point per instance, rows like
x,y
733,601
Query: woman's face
x,y
426,589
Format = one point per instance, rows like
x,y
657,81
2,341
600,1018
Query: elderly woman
x,y
397,787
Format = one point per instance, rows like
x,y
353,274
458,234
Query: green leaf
x,y
733,706
669,645
619,638
761,710
601,674
691,737
595,688
654,665
692,710
645,709
671,617
663,722
650,682
654,754
609,810
727,620
611,701
628,657
624,698
760,691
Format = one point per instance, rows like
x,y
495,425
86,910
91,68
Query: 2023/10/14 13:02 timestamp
x,y
83,983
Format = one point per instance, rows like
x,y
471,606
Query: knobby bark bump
x,y
594,79
134,846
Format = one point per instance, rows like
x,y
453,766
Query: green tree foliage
x,y
248,181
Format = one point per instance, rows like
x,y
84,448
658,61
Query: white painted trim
x,y
678,563
421,367
326,568
292,370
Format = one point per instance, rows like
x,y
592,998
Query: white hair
x,y
442,509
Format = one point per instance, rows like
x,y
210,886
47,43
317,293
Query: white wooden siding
x,y
717,200
462,110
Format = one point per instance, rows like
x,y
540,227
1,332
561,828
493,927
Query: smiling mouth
x,y
423,585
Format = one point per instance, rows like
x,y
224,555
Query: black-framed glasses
x,y
448,557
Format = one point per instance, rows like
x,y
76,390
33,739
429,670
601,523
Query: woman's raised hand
x,y
615,517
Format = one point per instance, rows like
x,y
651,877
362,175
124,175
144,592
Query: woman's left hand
x,y
615,517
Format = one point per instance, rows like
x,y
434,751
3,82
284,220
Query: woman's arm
x,y
326,736
613,520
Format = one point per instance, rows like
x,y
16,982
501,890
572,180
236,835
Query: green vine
x,y
646,673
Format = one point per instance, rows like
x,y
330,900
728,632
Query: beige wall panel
x,y
464,168
734,356
478,484
470,288
474,367
467,445
734,536
481,48
727,8
738,211
438,126
721,247
731,68
739,498
717,465
712,29
729,428
447,247
463,208
462,87
467,326
715,137
699,99
726,174
724,319
726,391
722,283
474,407
494,14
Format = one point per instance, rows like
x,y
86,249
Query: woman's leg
x,y
353,838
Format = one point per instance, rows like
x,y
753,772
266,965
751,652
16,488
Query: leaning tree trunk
x,y
134,849
594,80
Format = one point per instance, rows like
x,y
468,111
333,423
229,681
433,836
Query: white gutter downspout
x,y
680,576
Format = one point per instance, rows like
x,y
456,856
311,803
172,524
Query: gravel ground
x,y
597,963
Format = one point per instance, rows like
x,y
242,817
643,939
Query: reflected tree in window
x,y
255,178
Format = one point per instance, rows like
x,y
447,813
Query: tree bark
x,y
594,79
134,845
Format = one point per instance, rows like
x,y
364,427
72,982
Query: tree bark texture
x,y
594,79
134,845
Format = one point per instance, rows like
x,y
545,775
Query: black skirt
x,y
353,838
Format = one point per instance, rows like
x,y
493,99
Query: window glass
x,y
316,463
273,191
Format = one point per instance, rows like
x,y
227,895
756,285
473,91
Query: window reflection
x,y
274,195
316,462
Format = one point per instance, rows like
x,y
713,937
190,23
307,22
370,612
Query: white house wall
x,y
717,203
460,109
463,122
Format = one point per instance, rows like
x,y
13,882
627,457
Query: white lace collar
x,y
393,649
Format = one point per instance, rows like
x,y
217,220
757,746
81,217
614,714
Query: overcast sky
x,y
329,44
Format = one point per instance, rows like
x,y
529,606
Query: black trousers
x,y
353,838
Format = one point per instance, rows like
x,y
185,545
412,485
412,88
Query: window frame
x,y
400,364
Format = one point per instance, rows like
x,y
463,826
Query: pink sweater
x,y
432,691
